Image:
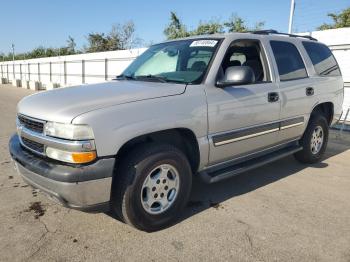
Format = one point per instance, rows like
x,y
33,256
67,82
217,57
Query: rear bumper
x,y
86,187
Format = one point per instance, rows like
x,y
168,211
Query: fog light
x,y
70,157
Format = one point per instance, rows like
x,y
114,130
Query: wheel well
x,y
326,109
182,138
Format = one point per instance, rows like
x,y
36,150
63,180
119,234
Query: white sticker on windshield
x,y
206,43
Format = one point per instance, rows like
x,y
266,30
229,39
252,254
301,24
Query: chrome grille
x,y
34,146
31,124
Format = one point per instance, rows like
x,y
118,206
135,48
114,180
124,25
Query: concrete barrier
x,y
25,84
35,85
16,82
51,86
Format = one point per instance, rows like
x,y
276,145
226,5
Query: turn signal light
x,y
83,157
71,157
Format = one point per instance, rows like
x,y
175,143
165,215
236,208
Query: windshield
x,y
183,61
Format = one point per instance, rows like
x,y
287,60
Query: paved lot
x,y
284,211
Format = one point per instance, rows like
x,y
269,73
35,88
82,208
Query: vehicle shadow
x,y
206,196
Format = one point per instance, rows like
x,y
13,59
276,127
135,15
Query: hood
x,y
62,105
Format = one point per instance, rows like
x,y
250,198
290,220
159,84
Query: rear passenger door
x,y
296,89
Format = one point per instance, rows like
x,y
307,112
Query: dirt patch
x,y
10,177
215,205
178,245
37,208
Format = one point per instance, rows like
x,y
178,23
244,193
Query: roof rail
x,y
274,32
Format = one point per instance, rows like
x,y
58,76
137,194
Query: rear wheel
x,y
152,186
314,140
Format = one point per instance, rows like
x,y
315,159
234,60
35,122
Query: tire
x,y
313,152
130,191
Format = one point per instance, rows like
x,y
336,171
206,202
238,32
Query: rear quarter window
x,y
322,59
289,62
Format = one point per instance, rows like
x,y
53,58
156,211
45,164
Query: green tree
x,y
119,38
37,52
51,52
237,24
97,42
175,29
71,45
208,28
122,36
339,20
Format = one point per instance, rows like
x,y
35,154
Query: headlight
x,y
70,157
69,131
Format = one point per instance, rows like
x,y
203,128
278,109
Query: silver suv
x,y
208,106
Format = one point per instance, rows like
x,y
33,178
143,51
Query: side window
x,y
247,53
322,59
289,62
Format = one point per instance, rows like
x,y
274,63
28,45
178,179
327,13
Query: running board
x,y
212,176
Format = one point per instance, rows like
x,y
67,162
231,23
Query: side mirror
x,y
237,75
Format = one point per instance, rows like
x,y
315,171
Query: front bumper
x,y
82,187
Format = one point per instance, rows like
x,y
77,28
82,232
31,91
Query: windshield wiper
x,y
127,77
152,77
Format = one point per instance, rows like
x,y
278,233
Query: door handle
x,y
273,97
310,91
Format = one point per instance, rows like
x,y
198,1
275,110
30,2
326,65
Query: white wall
x,y
97,67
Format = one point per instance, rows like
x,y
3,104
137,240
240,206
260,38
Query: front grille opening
x,y
31,124
36,147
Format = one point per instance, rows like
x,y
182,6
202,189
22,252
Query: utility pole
x,y
291,14
13,52
13,60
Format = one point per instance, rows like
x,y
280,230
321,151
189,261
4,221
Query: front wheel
x,y
152,186
314,140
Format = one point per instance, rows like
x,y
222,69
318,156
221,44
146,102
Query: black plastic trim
x,y
213,176
97,208
101,168
244,132
236,134
292,121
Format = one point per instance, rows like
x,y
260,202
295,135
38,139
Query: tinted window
x,y
322,59
289,62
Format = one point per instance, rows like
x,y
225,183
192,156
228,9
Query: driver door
x,y
243,119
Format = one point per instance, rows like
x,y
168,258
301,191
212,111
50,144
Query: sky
x,y
29,24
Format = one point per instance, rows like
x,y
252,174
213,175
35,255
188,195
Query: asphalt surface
x,y
284,211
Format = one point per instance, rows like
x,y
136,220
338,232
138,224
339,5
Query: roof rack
x,y
274,32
